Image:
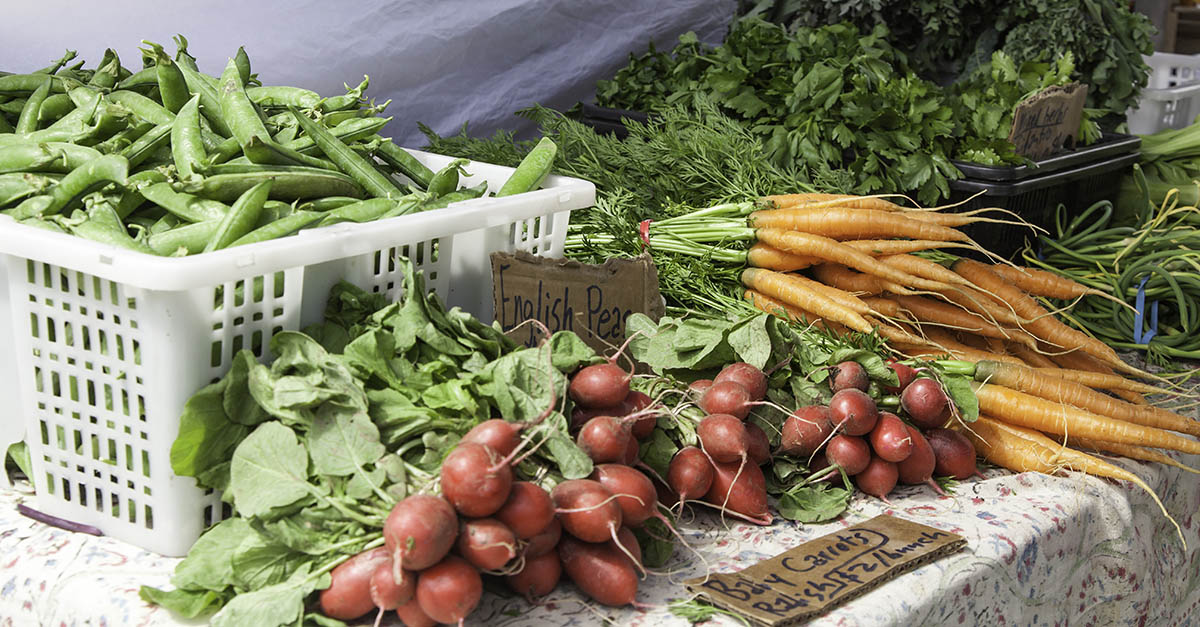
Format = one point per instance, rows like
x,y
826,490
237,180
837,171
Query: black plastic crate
x,y
608,120
1036,199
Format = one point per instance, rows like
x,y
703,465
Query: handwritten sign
x,y
1046,122
592,300
827,571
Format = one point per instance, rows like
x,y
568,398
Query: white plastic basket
x,y
1168,69
1162,109
108,344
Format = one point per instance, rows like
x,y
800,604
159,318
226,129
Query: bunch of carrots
x,y
866,264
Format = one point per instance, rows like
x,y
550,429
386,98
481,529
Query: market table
x,y
1041,551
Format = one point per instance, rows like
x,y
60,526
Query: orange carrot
x,y
1079,360
843,278
1101,380
1026,450
899,246
1032,412
846,223
787,312
761,255
1132,452
924,268
1042,283
788,201
1029,381
801,243
942,337
954,219
1030,356
956,350
785,288
839,296
1040,322
926,309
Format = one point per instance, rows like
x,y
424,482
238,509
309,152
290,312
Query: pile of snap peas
x,y
170,161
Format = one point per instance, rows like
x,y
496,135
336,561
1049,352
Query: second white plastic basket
x,y
1168,69
1162,109
104,346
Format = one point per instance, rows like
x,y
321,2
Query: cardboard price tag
x,y
827,571
1047,121
592,300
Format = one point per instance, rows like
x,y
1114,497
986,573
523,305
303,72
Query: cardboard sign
x,y
825,572
592,300
1047,121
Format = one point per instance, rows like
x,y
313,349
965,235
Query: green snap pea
x,y
143,107
189,238
407,205
125,138
5,126
131,197
172,86
242,61
85,179
327,203
241,217
445,180
14,106
186,206
22,185
145,77
147,144
279,228
402,160
54,107
187,146
43,224
224,151
57,65
85,97
243,120
103,225
339,117
272,211
350,100
28,121
25,84
108,71
532,170
210,102
288,185
285,135
348,161
264,150
362,211
465,193
45,157
281,96
348,131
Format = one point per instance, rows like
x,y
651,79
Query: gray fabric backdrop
x,y
441,63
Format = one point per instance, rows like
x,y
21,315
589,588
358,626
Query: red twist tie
x,y
644,230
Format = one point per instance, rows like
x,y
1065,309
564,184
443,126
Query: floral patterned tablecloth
x,y
1070,550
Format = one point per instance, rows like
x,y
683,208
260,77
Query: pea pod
x,y
141,106
147,144
132,197
445,180
186,206
242,61
532,170
350,162
210,102
172,86
403,161
280,96
288,185
187,147
278,228
44,157
54,107
85,179
145,77
327,203
348,131
465,193
362,211
103,225
241,217
28,120
242,118
108,71
5,127
19,186
25,84
54,67
190,238
125,138
350,100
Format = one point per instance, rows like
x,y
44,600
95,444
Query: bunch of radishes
x,y
879,449
724,471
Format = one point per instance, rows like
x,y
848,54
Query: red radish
x,y
475,479
634,403
599,385
348,595
449,590
805,431
878,478
599,570
499,435
412,615
849,375
850,452
537,578
748,376
759,450
632,453
527,511
630,544
486,543
635,492
690,474
740,488
904,373
853,411
587,509
917,467
723,437
819,463
386,593
545,541
890,439
605,439
726,397
953,454
580,415
926,403
419,532
698,387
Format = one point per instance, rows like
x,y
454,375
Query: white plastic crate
x,y
1162,109
107,345
1168,69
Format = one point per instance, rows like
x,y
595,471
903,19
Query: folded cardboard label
x,y
593,300
827,571
1047,121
